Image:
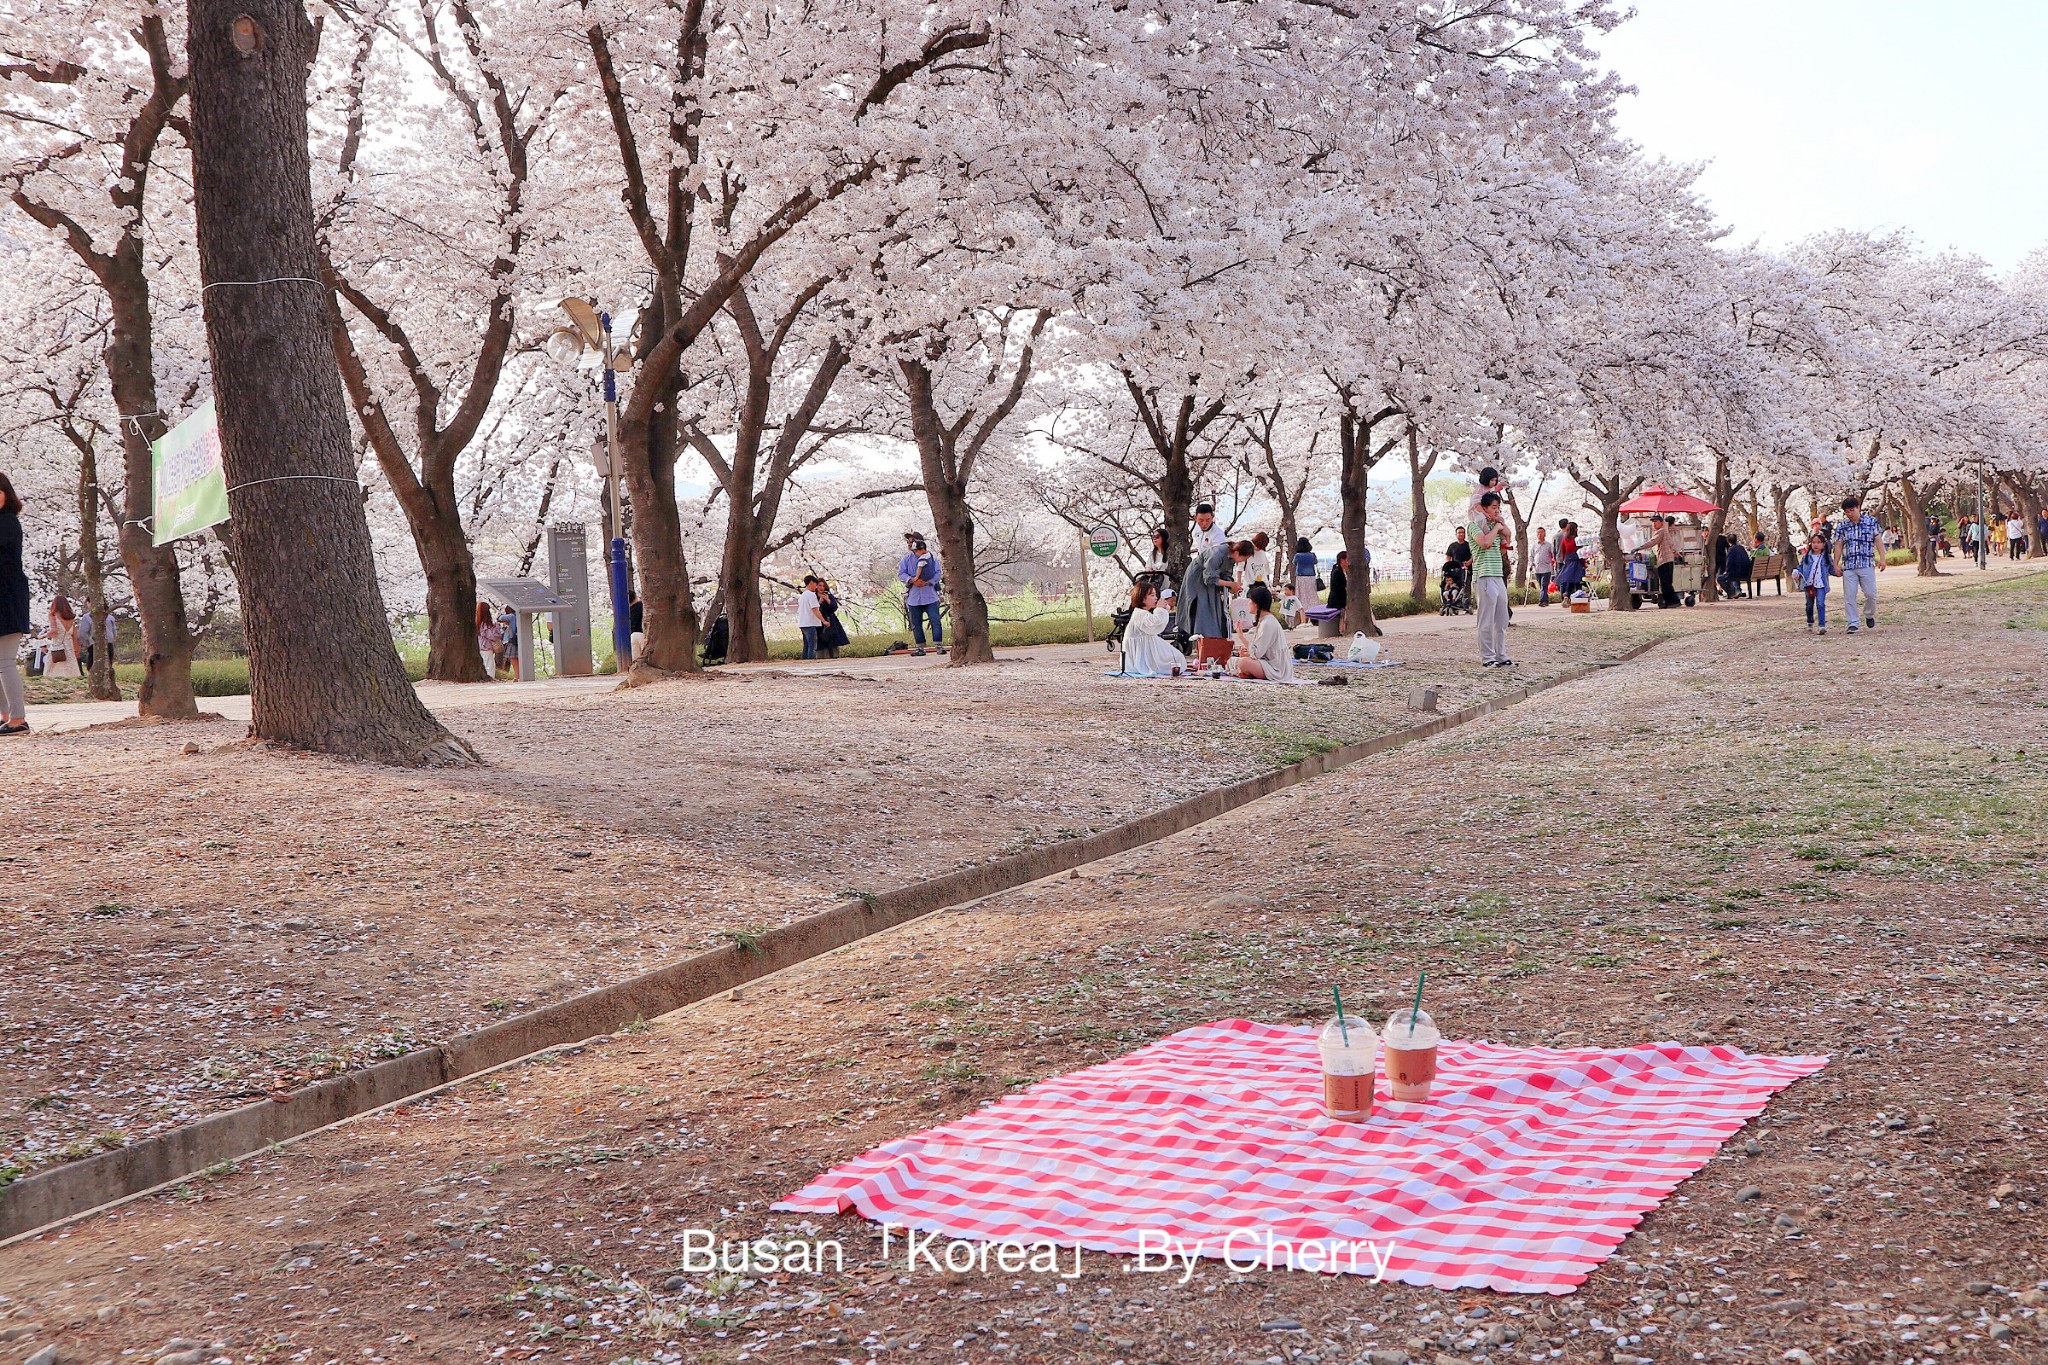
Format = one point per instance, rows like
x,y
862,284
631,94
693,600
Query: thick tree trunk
x,y
968,640
2029,494
1916,517
952,521
670,611
1354,475
166,690
1619,598
452,654
1717,522
739,589
1177,505
1781,505
323,671
1418,519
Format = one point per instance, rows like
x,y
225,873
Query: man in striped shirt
x,y
1856,551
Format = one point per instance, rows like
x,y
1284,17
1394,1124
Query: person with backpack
x,y
919,574
1814,570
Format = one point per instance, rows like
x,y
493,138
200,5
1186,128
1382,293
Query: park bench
x,y
1770,568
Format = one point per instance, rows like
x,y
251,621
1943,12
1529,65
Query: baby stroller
x,y
1121,617
1452,598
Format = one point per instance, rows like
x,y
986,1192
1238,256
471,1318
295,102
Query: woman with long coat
x,y
14,620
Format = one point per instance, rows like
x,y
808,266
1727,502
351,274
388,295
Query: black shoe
x,y
20,729
1870,623
1505,663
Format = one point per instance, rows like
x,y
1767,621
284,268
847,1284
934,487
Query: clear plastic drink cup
x,y
1349,1064
1411,1054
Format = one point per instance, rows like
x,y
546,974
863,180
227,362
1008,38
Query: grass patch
x,y
1292,746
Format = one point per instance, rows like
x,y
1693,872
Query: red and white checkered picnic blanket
x,y
1523,1171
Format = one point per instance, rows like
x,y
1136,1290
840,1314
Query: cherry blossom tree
x,y
91,101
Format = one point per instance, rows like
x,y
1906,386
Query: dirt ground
x,y
191,931
1749,836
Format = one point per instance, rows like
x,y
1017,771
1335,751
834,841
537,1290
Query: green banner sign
x,y
191,486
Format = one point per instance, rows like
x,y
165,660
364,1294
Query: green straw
x,y
1342,1027
1417,1009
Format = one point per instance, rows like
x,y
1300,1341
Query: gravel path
x,y
1721,842
191,931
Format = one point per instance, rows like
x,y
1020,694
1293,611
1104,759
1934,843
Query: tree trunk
x,y
2029,494
1418,519
1717,522
1611,495
1355,462
952,520
452,653
323,671
669,609
166,690
1781,504
102,686
1916,516
739,588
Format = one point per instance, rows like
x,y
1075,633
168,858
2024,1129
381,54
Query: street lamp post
x,y
593,331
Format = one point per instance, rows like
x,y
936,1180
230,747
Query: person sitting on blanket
x,y
1263,651
1146,653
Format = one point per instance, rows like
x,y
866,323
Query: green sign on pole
x,y
1102,540
191,485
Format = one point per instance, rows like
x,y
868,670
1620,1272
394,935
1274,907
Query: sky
x,y
1872,114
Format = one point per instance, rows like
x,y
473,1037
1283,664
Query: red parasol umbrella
x,y
1658,498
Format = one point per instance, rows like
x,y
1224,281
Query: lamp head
x,y
585,317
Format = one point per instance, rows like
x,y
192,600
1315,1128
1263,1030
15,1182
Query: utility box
x,y
569,577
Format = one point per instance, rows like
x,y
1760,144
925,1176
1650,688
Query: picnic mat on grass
x,y
1187,678
1522,1173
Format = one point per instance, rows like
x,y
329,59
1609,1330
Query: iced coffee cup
x,y
1350,1057
1411,1040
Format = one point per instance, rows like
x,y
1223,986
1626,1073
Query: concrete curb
x,y
78,1187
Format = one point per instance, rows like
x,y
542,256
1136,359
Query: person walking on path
x,y
1855,561
1814,571
1543,563
63,628
2016,536
1490,538
919,575
1998,537
14,613
809,620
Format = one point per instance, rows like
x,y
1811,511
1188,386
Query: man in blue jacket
x,y
919,575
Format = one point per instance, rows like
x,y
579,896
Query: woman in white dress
x,y
63,626
1263,651
1146,654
